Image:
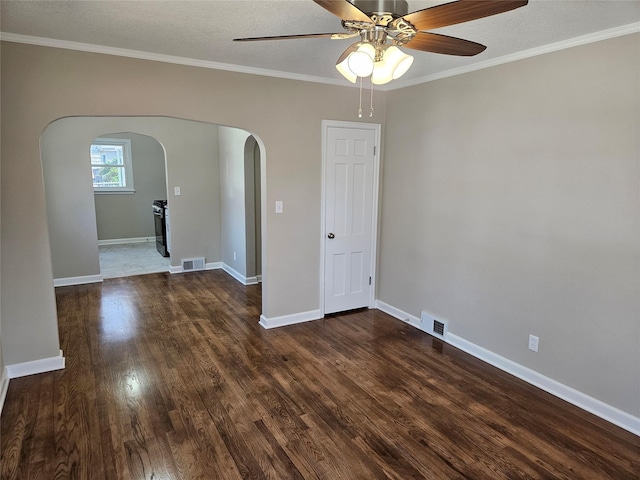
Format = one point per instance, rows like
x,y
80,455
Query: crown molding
x,y
398,84
533,52
158,57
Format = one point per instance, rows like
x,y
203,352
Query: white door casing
x,y
350,168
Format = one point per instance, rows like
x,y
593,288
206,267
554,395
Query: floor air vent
x,y
192,264
433,326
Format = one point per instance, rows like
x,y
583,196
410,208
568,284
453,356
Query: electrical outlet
x,y
533,343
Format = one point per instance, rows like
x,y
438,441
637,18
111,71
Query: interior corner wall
x,y
252,205
120,216
519,187
231,145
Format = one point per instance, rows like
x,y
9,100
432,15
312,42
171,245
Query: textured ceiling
x,y
202,30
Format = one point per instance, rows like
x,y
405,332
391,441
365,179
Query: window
x,y
111,166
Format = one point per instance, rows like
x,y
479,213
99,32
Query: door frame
x,y
376,128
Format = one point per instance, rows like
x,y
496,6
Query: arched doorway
x,y
191,149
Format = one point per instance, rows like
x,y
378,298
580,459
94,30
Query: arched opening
x,y
253,207
194,154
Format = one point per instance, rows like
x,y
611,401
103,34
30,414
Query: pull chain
x,y
371,106
360,109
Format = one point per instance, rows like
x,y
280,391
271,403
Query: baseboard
x,y
4,386
397,313
64,282
217,265
121,241
292,319
238,276
207,266
569,394
36,366
575,397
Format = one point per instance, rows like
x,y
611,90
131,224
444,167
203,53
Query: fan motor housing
x,y
397,8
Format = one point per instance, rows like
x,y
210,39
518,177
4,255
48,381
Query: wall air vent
x,y
433,326
438,328
192,264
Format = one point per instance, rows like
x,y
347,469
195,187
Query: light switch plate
x,y
278,206
176,191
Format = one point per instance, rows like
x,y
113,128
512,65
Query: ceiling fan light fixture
x,y
398,61
403,66
393,65
361,62
382,72
343,68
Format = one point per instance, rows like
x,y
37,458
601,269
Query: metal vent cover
x,y
192,264
433,326
438,328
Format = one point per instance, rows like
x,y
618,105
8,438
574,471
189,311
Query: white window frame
x,y
128,166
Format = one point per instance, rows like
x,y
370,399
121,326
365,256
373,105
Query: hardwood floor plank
x,y
170,376
16,441
43,443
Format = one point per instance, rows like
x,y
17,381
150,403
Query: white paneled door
x,y
350,160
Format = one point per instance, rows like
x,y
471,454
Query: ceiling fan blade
x,y
435,43
460,11
344,9
333,36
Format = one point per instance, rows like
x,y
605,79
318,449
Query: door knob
x,y
331,235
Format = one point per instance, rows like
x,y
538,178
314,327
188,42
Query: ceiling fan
x,y
385,25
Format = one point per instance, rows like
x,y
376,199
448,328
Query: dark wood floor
x,y
171,377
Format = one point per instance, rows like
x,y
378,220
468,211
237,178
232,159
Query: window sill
x,y
114,192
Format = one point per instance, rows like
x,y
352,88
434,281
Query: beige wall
x,y
128,215
192,163
232,141
509,201
40,85
511,206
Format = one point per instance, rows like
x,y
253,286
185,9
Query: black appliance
x,y
161,226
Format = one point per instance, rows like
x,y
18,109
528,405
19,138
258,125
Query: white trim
x,y
122,241
207,266
291,319
64,282
238,276
377,129
124,52
127,164
579,399
36,366
397,313
220,265
122,191
156,57
532,52
549,385
4,386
